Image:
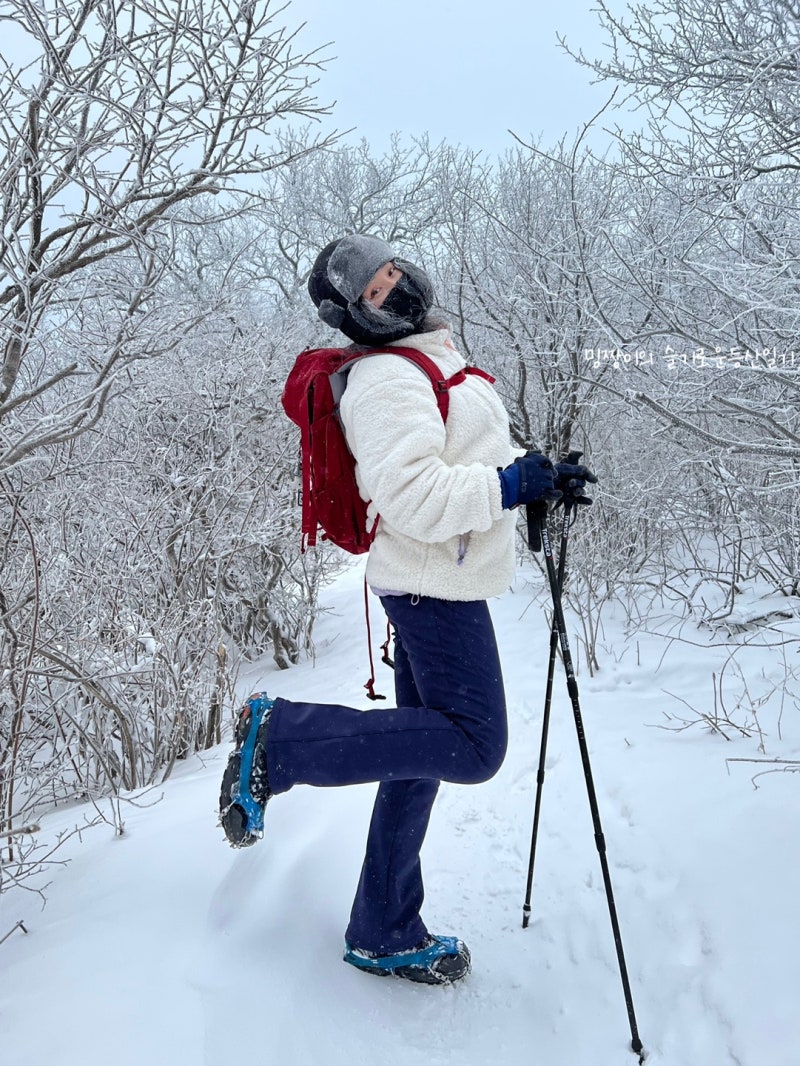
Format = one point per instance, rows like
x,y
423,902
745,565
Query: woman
x,y
444,544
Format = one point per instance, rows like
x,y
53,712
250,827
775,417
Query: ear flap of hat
x,y
331,314
319,284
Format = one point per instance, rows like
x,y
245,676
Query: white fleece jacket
x,y
442,529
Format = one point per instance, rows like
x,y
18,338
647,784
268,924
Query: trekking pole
x,y
540,774
537,514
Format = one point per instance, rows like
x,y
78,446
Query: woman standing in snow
x,y
445,492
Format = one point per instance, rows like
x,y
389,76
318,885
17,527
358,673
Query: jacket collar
x,y
438,344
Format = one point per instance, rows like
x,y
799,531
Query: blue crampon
x,y
245,788
438,960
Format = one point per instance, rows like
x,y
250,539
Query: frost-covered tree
x,y
722,76
115,121
112,118
709,247
159,550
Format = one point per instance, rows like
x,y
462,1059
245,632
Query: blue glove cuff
x,y
509,486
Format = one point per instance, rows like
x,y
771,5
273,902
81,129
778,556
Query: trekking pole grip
x,y
534,512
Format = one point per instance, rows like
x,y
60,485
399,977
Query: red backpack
x,y
331,500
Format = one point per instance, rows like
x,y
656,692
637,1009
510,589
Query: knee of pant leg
x,y
491,757
492,764
484,729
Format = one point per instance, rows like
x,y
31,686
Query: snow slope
x,y
163,946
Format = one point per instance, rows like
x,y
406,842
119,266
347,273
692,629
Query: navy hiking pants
x,y
449,725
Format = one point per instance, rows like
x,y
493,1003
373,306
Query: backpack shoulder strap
x,y
478,373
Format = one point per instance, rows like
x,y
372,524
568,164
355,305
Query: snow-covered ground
x,y
163,946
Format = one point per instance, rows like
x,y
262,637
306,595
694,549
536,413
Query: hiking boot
x,y
245,788
437,960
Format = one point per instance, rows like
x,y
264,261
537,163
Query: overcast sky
x,y
464,72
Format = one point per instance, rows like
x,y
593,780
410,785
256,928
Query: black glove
x,y
570,479
528,478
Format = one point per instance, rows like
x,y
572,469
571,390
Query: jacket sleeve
x,y
397,436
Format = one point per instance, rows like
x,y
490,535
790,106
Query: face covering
x,y
411,298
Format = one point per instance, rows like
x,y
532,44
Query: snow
x,y
163,946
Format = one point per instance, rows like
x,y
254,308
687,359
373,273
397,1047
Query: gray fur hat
x,y
355,260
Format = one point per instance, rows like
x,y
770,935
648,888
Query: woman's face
x,y
381,284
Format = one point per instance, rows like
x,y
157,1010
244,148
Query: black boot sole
x,y
233,817
452,968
